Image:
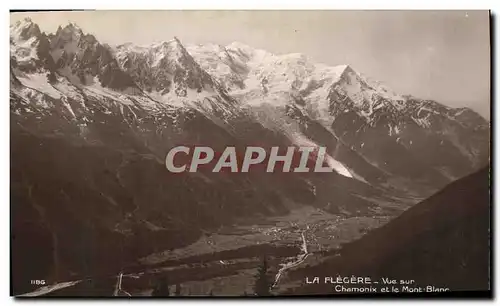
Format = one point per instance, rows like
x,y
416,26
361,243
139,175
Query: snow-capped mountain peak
x,y
24,29
166,70
212,77
73,26
71,32
353,91
29,47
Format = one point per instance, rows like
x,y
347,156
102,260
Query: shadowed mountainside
x,y
443,241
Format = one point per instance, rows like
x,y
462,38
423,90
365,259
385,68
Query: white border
x,y
199,4
258,4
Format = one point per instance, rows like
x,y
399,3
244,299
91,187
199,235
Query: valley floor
x,y
226,262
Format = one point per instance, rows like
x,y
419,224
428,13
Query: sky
x,y
439,55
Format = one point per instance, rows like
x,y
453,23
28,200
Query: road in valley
x,y
298,260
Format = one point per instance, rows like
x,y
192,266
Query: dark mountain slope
x,y
443,241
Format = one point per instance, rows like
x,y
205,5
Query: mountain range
x,y
91,125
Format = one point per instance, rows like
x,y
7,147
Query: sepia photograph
x,y
250,153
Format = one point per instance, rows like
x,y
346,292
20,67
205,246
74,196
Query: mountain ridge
x,y
233,47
